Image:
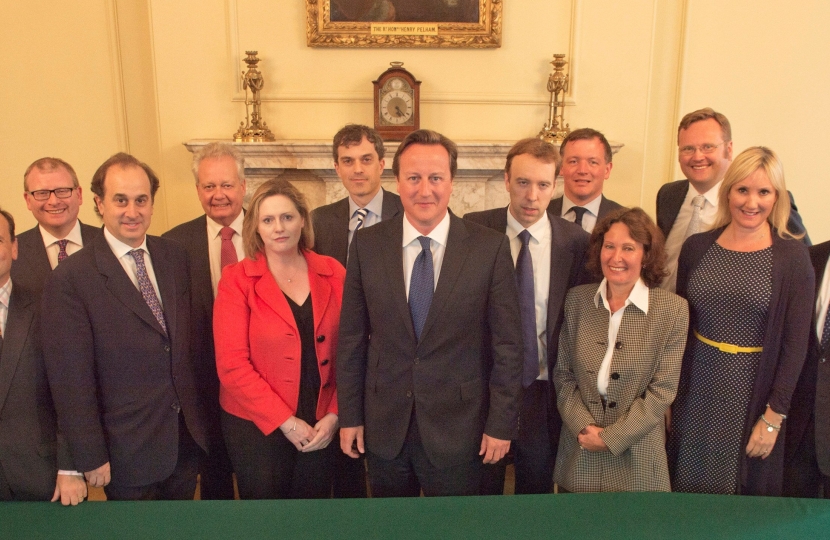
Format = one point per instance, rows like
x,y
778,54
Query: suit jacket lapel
x,y
166,279
268,291
120,285
561,260
40,263
675,202
341,238
21,312
200,259
555,207
392,254
819,259
322,293
391,206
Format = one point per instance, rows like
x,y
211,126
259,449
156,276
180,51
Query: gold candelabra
x,y
254,128
555,130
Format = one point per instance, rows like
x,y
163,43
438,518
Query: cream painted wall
x,y
147,75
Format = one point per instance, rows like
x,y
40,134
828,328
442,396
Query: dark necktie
x,y
421,286
62,254
527,305
228,253
146,287
578,212
825,334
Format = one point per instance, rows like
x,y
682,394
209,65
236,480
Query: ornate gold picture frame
x,y
381,23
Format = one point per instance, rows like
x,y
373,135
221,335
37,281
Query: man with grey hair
x,y
212,240
53,196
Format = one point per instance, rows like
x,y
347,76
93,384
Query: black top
x,y
309,372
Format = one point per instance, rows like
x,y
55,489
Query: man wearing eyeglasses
x,y
704,140
53,196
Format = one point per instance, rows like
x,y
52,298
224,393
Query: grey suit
x,y
605,207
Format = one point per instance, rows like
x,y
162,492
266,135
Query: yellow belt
x,y
727,347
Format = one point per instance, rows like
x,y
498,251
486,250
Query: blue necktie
x,y
527,305
825,334
421,286
146,287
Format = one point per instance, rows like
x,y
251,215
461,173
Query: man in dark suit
x,y
429,362
704,139
556,251
53,196
586,165
212,241
31,452
807,450
358,159
117,351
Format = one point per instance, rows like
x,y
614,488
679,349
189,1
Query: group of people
x,y
383,338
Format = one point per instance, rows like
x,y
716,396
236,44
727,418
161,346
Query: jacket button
x,y
618,345
175,407
612,404
167,348
409,393
321,338
326,385
417,360
615,376
324,362
822,360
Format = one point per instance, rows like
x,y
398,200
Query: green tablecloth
x,y
588,516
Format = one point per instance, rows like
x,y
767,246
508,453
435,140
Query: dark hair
x,y
541,150
643,230
429,137
352,134
585,134
49,164
705,114
6,214
122,160
251,241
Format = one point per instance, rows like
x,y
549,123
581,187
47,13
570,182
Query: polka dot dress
x,y
729,295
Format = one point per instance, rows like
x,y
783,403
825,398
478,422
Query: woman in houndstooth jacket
x,y
619,362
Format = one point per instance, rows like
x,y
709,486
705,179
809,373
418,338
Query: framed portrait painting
x,y
404,23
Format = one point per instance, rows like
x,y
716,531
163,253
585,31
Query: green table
x,y
588,516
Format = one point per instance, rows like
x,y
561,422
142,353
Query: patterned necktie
x,y
694,223
579,212
361,214
825,334
228,253
62,254
146,287
527,306
421,286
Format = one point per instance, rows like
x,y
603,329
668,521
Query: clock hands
x,y
398,111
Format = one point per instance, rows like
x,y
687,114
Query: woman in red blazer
x,y
275,322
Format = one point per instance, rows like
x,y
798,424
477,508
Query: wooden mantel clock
x,y
397,103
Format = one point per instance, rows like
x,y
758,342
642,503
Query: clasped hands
x,y
306,438
589,439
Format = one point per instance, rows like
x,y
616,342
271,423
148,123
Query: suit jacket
x,y
606,206
119,382
644,374
811,399
785,346
463,378
569,246
258,347
671,196
32,268
30,450
331,224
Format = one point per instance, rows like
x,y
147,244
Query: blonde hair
x,y
251,241
747,162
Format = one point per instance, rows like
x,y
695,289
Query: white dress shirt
x,y
539,245
214,234
5,294
412,248
677,235
76,242
589,219
375,208
638,297
122,253
822,301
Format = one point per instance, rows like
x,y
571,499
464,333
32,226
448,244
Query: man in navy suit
x,y
118,348
586,165
53,196
212,240
31,451
429,360
557,253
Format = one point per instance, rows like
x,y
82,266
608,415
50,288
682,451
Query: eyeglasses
x,y
44,194
704,149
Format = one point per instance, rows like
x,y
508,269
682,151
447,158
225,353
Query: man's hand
x,y
70,489
99,477
493,449
326,428
351,437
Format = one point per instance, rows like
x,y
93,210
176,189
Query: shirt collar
x,y
592,206
638,296
439,233
538,231
74,235
711,196
118,247
214,228
375,206
5,293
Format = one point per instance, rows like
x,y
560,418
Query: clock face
x,y
396,102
